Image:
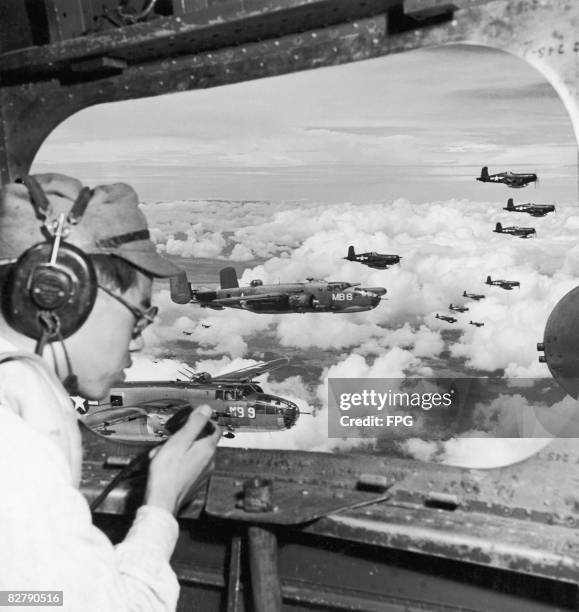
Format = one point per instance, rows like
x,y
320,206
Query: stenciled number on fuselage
x,y
341,297
239,411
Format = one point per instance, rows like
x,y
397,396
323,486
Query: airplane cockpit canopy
x,y
256,283
273,404
338,286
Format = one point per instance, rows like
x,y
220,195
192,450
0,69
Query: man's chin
x,y
97,392
92,394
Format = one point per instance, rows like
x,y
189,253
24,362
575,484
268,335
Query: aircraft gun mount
x,y
560,343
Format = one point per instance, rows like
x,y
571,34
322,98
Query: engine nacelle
x,y
301,301
203,378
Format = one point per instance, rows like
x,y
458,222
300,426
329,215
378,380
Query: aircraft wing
x,y
113,414
249,373
248,299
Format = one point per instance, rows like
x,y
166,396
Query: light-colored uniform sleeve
x,y
48,541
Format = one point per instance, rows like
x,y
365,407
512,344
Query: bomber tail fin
x,y
498,228
510,204
489,280
484,173
180,289
464,293
228,278
351,253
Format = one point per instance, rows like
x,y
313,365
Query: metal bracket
x,y
289,503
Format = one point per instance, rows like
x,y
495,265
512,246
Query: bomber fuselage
x,y
337,297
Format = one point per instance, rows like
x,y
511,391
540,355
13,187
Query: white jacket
x,y
47,539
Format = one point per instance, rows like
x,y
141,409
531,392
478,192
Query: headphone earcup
x,y
67,289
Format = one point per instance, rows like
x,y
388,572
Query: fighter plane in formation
x,y
510,179
520,232
447,319
473,296
503,284
313,296
379,261
477,323
137,411
457,308
535,210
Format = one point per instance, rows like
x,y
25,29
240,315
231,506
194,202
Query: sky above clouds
x,y
278,176
417,125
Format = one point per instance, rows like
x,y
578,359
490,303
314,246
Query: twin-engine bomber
x,y
137,411
313,296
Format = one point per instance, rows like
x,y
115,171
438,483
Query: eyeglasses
x,y
143,318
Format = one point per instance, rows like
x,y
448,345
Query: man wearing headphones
x,y
76,271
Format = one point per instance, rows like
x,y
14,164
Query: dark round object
x,y
65,290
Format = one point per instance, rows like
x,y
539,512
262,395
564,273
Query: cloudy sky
x,y
277,177
417,125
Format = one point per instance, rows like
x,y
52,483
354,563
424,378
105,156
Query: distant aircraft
x,y
137,411
510,179
503,284
457,308
477,323
205,326
313,296
447,319
520,232
535,210
187,333
379,261
473,296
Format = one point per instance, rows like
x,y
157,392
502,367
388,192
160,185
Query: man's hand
x,y
180,461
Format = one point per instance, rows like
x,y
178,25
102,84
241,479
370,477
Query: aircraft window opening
x,y
373,187
442,501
